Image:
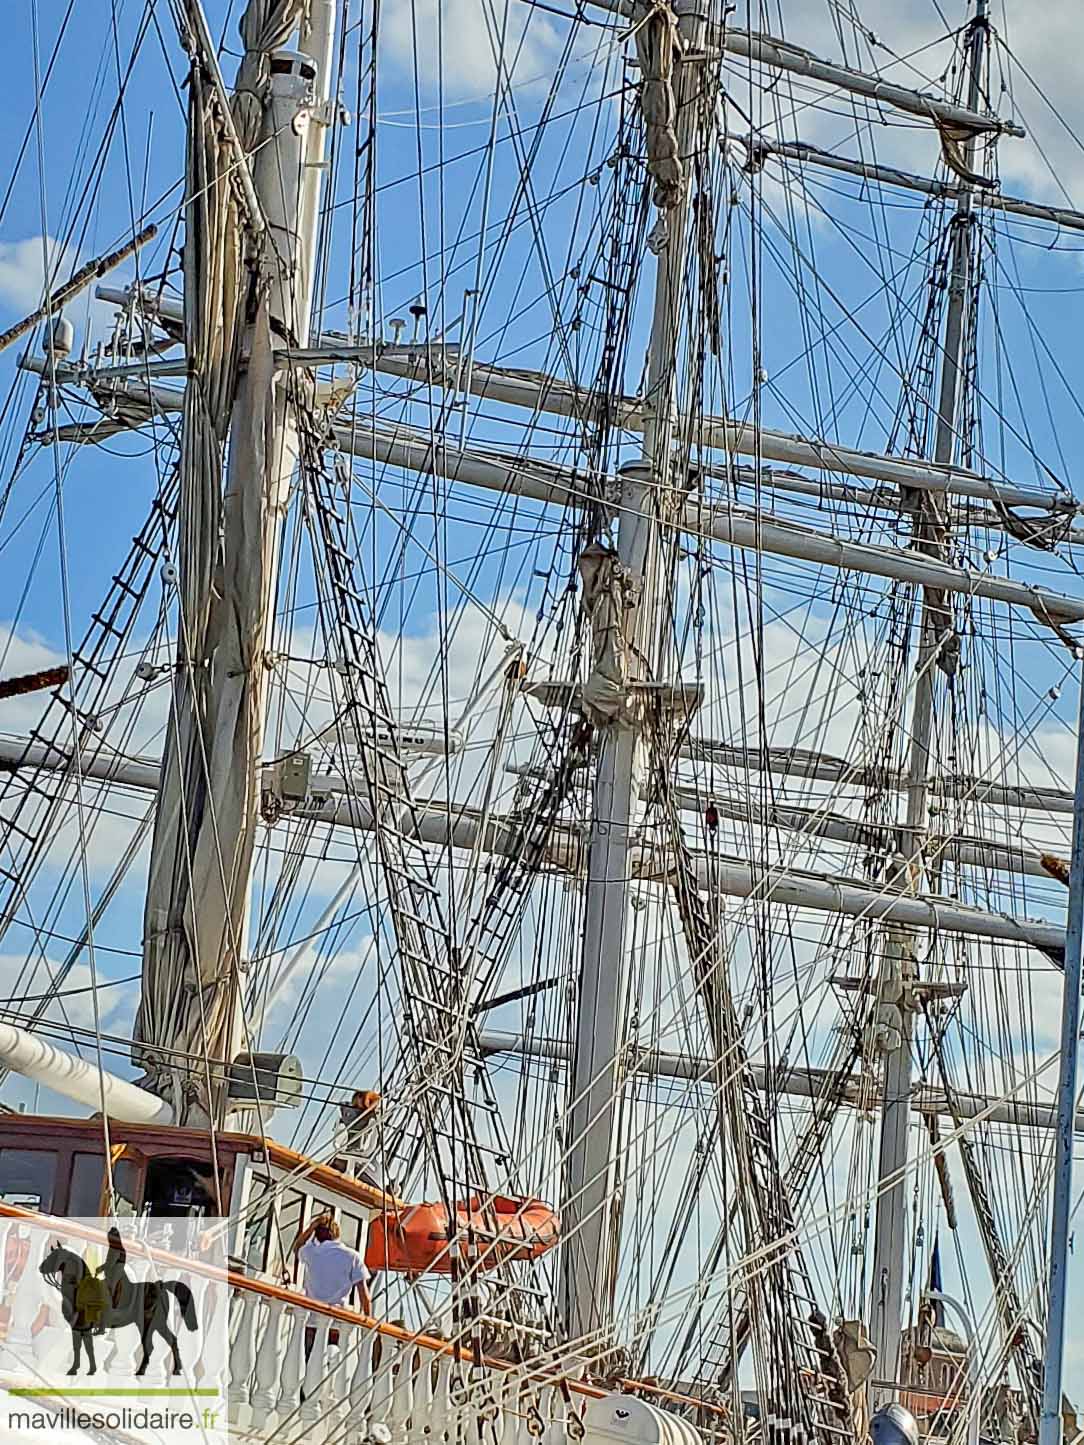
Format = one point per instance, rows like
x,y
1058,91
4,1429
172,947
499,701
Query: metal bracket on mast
x,y
923,991
677,699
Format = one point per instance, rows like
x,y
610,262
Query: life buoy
x,y
417,1239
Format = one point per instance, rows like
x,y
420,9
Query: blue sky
x,y
1032,321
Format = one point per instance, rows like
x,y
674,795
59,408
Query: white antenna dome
x,y
59,338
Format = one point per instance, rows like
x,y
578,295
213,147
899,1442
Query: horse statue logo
x,y
93,1305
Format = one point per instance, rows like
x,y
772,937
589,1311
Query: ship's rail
x,y
340,1375
304,1371
346,1376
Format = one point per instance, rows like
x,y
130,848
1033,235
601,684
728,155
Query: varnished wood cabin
x,y
57,1166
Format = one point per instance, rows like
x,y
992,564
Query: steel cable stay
x,y
687,913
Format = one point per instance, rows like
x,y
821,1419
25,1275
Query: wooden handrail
x,y
541,1376
644,1387
49,1224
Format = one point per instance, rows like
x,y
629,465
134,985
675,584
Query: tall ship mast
x,y
538,715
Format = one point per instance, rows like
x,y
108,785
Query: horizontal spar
x,y
761,532
763,146
802,763
877,837
436,364
150,400
33,682
864,500
460,826
403,447
97,765
829,893
156,400
104,766
782,55
823,767
78,1079
543,393
802,1083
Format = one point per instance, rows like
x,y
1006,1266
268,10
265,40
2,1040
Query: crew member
x,y
333,1271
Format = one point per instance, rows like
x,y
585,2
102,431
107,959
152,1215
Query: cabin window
x,y
258,1224
86,1197
126,1174
180,1188
292,1217
88,1182
355,1231
28,1177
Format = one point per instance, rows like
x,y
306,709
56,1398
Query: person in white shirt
x,y
333,1271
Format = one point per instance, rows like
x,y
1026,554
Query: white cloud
x,y
1039,42
24,979
439,659
22,652
23,289
110,818
22,270
456,40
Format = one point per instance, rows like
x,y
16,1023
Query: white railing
x,y
306,1372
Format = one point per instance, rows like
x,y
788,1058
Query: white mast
x,y
592,1205
198,894
1050,1421
895,992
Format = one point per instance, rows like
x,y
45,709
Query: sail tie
x,y
657,44
265,26
609,595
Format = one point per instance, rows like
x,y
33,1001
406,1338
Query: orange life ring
x,y
417,1240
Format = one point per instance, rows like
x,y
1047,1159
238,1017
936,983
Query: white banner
x,y
113,1331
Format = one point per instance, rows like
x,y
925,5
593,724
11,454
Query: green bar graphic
x,y
28,1393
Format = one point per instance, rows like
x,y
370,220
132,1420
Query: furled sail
x,y
204,831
